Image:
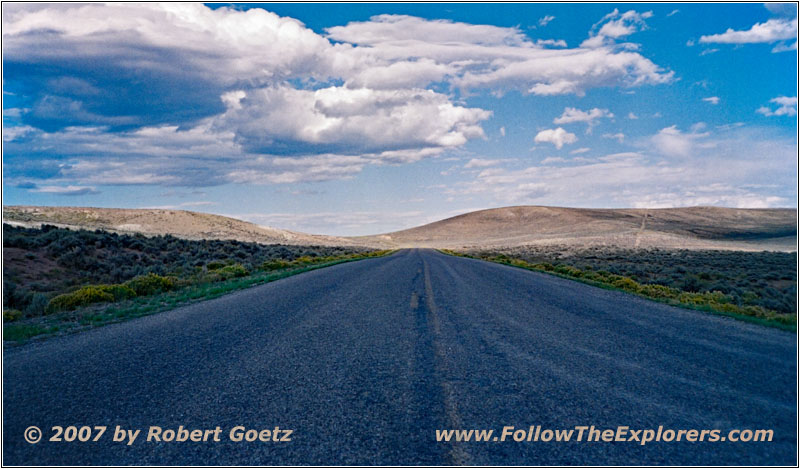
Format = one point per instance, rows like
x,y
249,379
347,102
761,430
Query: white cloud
x,y
502,131
740,167
788,9
712,100
787,106
619,136
670,141
482,56
616,25
201,156
772,30
632,116
579,151
66,190
546,19
784,47
591,116
481,163
673,12
558,137
285,120
551,42
223,44
11,133
554,160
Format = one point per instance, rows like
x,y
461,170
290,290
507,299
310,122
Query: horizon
x,y
372,118
402,228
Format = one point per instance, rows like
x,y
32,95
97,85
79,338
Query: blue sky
x,y
366,118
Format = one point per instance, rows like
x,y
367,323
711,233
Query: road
x,y
365,360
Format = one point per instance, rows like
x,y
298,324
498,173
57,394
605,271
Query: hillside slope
x,y
677,228
689,228
151,222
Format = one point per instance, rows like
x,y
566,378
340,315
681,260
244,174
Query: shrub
x,y
304,260
216,265
150,284
119,292
232,271
81,297
568,270
10,315
659,291
275,264
38,304
626,283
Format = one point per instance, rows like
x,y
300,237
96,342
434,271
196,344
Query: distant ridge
x,y
686,228
152,222
672,228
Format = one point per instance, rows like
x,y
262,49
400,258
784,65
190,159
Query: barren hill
x,y
686,228
151,222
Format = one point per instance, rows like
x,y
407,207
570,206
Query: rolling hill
x,y
683,228
152,222
686,228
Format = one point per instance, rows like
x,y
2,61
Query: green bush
x,y
659,291
150,284
275,264
81,297
304,260
216,265
568,270
231,271
626,284
10,315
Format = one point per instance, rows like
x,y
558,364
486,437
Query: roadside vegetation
x,y
755,286
57,280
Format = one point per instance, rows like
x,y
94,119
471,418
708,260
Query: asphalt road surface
x,y
364,361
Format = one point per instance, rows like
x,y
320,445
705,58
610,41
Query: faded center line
x,y
457,453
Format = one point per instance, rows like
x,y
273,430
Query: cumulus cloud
x,y
591,116
221,44
186,54
616,25
770,31
481,56
189,95
558,137
168,155
572,114
787,106
285,120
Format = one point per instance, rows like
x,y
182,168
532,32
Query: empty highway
x,y
364,361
